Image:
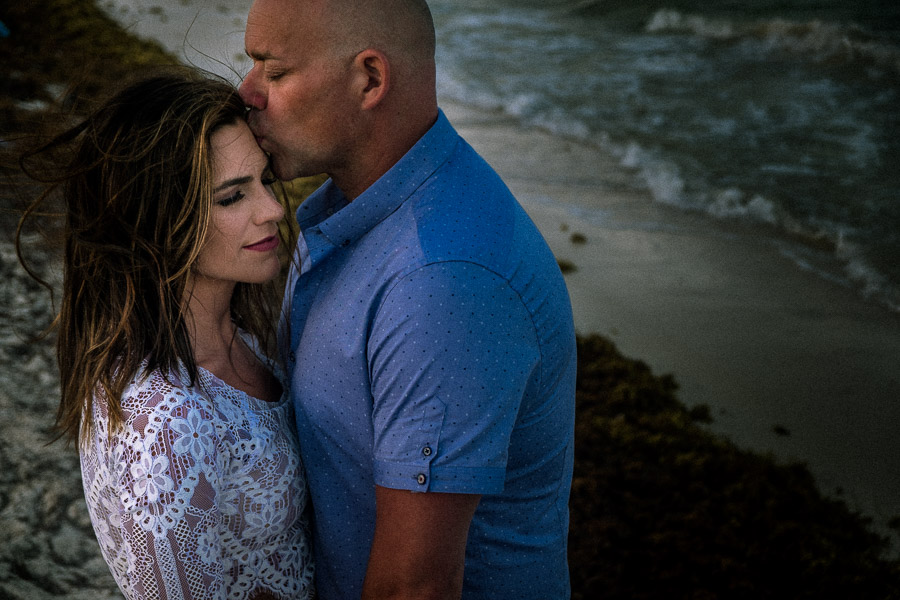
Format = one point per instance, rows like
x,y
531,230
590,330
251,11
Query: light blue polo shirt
x,y
432,349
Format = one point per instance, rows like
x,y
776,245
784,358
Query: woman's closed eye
x,y
235,197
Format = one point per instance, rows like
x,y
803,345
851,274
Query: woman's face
x,y
242,239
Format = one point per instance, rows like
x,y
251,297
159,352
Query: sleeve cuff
x,y
424,478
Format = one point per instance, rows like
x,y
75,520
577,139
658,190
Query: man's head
x,y
343,87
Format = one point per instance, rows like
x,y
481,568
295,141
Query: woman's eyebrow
x,y
232,182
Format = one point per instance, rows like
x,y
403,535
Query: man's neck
x,y
388,142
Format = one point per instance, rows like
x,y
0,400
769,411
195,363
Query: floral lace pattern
x,y
200,494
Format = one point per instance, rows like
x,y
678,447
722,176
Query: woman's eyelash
x,y
267,178
231,199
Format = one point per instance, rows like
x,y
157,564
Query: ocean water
x,y
782,114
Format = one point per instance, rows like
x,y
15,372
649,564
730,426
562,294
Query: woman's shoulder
x,y
155,400
161,390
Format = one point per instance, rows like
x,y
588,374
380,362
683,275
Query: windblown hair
x,y
137,192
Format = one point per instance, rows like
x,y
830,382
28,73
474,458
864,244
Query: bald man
x,y
428,332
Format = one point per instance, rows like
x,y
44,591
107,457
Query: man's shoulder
x,y
469,173
465,211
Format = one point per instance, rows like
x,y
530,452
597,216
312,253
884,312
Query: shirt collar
x,y
343,222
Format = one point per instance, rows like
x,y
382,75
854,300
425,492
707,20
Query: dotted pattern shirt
x,y
432,349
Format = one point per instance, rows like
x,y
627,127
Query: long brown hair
x,y
137,192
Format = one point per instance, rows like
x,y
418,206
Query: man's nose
x,y
251,92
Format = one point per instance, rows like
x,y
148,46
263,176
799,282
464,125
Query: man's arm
x,y
419,548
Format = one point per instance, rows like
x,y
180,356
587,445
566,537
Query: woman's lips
x,y
265,245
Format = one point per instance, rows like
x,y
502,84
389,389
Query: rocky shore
x,y
47,546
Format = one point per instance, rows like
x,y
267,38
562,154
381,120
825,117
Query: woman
x,y
190,465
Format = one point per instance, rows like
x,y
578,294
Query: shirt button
x,y
293,357
426,450
421,479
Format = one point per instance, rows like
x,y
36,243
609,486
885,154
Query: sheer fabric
x,y
201,493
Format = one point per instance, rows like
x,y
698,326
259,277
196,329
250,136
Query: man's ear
x,y
373,77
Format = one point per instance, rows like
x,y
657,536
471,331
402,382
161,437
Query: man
x,y
430,341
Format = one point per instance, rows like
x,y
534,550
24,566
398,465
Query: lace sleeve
x,y
169,462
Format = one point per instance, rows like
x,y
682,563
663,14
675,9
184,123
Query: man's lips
x,y
265,245
260,139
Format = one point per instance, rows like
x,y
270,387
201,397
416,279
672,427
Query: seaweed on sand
x,y
58,46
661,508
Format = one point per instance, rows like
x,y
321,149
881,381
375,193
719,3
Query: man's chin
x,y
287,172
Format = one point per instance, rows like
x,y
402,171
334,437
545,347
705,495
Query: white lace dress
x,y
201,493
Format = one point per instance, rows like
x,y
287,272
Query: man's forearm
x,y
419,547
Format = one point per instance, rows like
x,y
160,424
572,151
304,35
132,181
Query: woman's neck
x,y
210,327
218,349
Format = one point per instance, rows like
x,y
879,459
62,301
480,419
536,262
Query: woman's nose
x,y
271,210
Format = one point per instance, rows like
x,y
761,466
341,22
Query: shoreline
x,y
788,362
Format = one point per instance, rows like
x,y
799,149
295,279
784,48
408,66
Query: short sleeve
x,y
451,353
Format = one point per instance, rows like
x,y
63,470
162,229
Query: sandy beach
x,y
788,362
